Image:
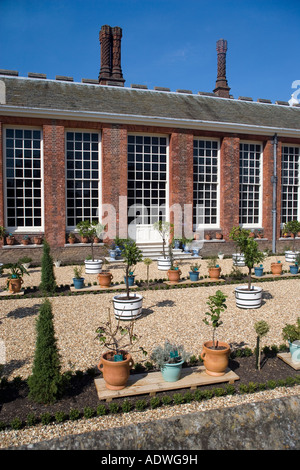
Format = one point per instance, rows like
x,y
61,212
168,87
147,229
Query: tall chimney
x,y
110,70
222,88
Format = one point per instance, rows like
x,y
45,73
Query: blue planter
x,y
295,351
186,248
130,280
194,275
172,372
78,282
294,269
118,252
176,244
258,271
112,254
196,252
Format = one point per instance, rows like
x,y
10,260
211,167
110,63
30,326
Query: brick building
x,y
101,150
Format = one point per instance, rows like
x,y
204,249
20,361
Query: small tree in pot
x,y
292,227
164,229
215,354
90,230
249,247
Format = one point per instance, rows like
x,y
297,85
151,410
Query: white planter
x,y
26,265
295,351
57,263
238,259
220,256
93,267
290,256
127,309
248,298
163,264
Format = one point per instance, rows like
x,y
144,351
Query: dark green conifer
x,y
48,282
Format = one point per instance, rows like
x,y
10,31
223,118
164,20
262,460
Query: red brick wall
x,y
1,181
229,184
54,184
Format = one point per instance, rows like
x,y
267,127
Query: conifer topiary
x,y
46,382
48,282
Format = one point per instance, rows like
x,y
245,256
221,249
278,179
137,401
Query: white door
x,y
147,185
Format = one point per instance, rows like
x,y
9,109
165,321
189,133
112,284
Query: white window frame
x,y
217,224
165,136
297,216
260,193
23,229
73,228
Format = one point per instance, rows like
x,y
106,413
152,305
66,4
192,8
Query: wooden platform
x,y
286,357
5,293
188,281
277,276
153,382
99,288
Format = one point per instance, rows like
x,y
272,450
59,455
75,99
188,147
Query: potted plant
x,y
10,239
37,239
276,268
15,278
248,296
147,262
78,280
57,263
129,305
238,257
292,227
260,233
176,243
164,229
294,268
174,272
116,363
220,254
291,333
258,270
194,272
105,277
25,260
219,235
214,269
215,353
186,244
89,230
169,358
25,240
71,238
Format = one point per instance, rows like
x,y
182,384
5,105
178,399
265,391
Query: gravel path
x,y
172,314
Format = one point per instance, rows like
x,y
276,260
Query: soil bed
x,y
81,393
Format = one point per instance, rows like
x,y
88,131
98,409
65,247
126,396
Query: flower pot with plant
x,y
174,272
294,268
25,260
215,353
220,255
248,296
214,269
10,239
291,333
116,363
105,277
194,272
25,240
89,230
292,227
78,280
169,358
15,278
276,268
57,263
129,305
37,239
165,229
71,238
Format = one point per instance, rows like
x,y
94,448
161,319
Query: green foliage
x,y
46,418
293,227
48,282
74,414
46,382
140,405
16,423
178,399
216,305
60,416
17,270
114,407
78,271
126,406
291,332
88,412
131,255
169,354
31,419
164,229
261,329
90,229
2,232
101,410
166,400
154,402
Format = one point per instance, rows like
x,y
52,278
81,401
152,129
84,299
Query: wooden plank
x,y
99,288
286,357
188,281
153,382
5,293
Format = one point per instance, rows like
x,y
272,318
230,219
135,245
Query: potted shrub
x,y
291,333
248,296
78,280
276,268
165,230
215,353
259,270
15,278
176,243
25,240
219,235
116,363
292,227
105,277
194,272
10,239
71,238
214,269
174,272
25,260
169,358
220,255
89,230
238,257
186,244
129,305
37,239
294,268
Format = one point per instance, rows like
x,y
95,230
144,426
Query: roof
x,y
121,104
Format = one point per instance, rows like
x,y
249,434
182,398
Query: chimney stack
x,y
222,88
110,70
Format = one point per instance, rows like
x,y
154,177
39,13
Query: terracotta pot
x,y
219,236
84,239
214,273
10,240
276,268
96,240
105,279
115,373
215,360
174,275
25,242
251,235
14,285
71,240
37,240
207,237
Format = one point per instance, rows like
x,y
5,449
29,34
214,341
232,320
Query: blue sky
x,y
169,43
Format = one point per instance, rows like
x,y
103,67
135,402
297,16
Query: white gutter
x,y
6,110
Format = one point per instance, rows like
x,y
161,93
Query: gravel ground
x,y
174,315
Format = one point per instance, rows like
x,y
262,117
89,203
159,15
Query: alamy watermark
x,y
295,99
